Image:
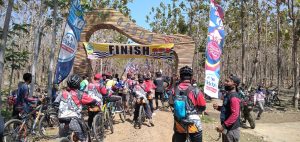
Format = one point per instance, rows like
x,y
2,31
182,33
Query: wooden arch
x,y
184,46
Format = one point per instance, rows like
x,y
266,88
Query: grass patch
x,y
6,114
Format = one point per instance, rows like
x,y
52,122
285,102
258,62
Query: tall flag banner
x,y
216,36
69,44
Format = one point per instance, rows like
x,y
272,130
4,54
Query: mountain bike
x,y
142,114
272,98
20,129
165,101
107,116
71,136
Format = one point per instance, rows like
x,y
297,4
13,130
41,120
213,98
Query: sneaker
x,y
151,122
153,114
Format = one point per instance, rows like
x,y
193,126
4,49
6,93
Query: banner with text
x,y
216,36
107,50
69,44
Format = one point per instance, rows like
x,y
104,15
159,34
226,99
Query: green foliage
x,y
16,59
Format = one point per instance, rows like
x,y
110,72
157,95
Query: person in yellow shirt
x,y
110,82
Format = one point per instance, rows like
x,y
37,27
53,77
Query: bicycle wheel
x,y
49,125
98,127
130,106
123,115
251,121
109,120
277,101
141,115
15,130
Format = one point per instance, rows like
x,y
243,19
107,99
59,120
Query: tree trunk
x,y
278,48
3,43
243,43
257,54
295,68
52,51
266,56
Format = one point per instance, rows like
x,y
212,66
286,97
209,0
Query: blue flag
x,y
69,44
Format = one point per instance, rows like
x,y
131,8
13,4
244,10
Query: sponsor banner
x,y
69,44
107,50
216,35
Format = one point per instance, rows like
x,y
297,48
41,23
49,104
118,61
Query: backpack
x,y
182,104
12,98
93,93
67,106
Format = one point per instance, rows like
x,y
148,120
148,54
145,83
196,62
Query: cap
x,y
235,79
98,76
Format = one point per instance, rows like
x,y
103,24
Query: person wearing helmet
x,y
194,105
110,83
95,91
84,83
70,106
140,91
150,89
159,90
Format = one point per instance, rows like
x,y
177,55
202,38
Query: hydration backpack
x,y
182,103
67,106
12,98
93,92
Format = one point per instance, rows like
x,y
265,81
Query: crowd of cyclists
x,y
103,96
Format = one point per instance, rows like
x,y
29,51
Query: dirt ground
x,y
275,126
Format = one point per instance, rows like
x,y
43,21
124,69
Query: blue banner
x,y
69,44
214,48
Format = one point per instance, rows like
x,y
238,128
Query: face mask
x,y
229,88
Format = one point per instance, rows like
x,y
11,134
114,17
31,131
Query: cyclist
x,y
84,83
259,98
70,107
110,83
159,91
128,89
150,87
194,105
95,91
140,92
24,103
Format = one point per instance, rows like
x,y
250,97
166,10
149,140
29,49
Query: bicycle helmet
x,y
74,81
186,73
147,76
158,74
129,75
141,80
97,76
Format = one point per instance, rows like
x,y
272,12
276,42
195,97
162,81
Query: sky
x,y
141,8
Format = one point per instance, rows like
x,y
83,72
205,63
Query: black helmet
x,y
186,73
74,81
141,79
147,76
158,74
